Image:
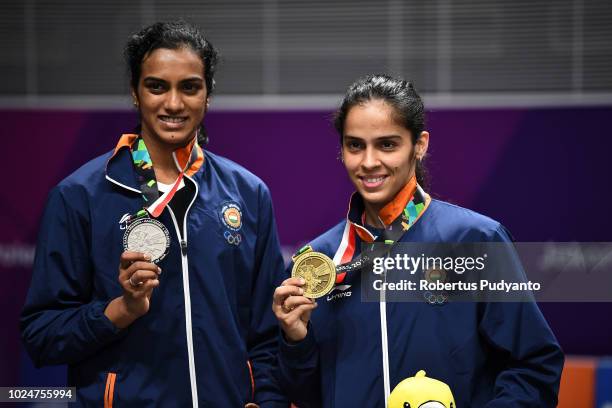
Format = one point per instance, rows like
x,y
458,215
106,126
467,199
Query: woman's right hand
x,y
138,276
292,309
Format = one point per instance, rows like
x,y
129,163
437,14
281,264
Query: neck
x,y
163,162
371,215
392,208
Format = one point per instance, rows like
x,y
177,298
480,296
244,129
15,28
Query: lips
x,y
172,122
373,181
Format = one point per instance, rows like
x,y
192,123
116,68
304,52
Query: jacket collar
x,y
120,166
387,214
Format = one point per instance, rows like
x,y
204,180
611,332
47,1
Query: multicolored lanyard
x,y
391,235
154,202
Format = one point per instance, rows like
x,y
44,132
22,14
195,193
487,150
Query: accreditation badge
x,y
148,236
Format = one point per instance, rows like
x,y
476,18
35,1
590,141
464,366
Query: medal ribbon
x,y
392,234
187,160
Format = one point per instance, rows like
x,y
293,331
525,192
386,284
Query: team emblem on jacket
x,y
435,275
435,297
234,239
231,216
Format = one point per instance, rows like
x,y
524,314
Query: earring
x,y
135,102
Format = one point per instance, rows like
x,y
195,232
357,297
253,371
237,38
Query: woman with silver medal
x,y
186,319
342,351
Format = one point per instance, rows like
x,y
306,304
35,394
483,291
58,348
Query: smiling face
x,y
171,96
378,152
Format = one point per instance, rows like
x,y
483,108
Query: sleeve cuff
x,y
100,327
301,351
273,404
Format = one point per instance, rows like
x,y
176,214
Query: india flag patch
x,y
231,216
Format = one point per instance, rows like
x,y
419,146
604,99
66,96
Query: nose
x,y
370,158
174,101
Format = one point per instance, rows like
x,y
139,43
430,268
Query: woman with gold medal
x,y
156,262
341,351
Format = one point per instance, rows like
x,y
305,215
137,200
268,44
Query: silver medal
x,y
148,236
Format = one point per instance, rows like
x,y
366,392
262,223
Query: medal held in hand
x,y
143,233
148,236
317,270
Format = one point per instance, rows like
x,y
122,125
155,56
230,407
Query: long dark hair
x,y
171,35
398,93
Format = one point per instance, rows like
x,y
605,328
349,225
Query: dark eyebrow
x,y
351,137
389,137
379,138
193,79
153,79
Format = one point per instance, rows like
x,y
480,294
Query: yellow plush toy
x,y
421,392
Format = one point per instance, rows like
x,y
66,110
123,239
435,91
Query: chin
x,y
377,198
176,139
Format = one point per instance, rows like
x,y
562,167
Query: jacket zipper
x,y
344,243
187,296
384,341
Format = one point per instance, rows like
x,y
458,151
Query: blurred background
x,y
518,94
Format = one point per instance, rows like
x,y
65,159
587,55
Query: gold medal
x,y
318,270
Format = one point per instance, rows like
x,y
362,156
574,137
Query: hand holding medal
x,y
292,308
138,276
146,240
313,275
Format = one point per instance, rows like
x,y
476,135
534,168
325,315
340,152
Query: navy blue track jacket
x,y
209,338
490,354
